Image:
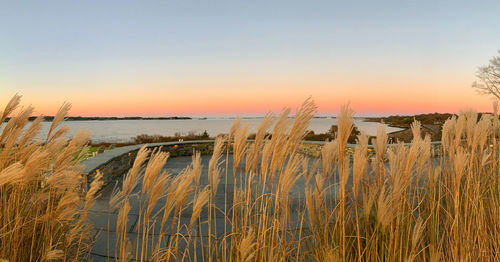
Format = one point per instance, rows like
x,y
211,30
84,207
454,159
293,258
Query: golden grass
x,y
398,204
43,208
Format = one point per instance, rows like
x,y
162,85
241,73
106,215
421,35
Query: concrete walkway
x,y
105,220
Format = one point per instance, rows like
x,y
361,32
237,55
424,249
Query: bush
x,y
147,139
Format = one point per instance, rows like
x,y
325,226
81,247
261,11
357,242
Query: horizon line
x,y
202,117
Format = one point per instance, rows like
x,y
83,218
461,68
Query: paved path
x,y
104,220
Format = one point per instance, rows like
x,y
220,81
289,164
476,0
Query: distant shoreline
x,y
397,121
106,118
82,118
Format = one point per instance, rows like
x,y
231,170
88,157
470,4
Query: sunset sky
x,y
208,58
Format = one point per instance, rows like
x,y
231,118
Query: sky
x,y
210,58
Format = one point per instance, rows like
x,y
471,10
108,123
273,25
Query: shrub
x,y
145,139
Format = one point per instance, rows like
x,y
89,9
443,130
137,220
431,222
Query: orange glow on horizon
x,y
222,98
222,106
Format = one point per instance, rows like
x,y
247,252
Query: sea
x,y
115,131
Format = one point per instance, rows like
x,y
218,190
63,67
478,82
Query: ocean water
x,y
125,130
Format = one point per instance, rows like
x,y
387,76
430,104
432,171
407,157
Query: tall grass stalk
x,y
401,202
43,203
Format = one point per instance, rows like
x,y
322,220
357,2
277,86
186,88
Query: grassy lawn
x,y
93,150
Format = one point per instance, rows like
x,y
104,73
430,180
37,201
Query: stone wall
x,y
313,148
118,161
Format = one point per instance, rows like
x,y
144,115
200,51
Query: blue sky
x,y
132,57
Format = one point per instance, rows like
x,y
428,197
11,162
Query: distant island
x,y
405,121
98,118
431,125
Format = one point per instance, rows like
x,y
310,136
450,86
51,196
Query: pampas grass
x,y
399,204
43,205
